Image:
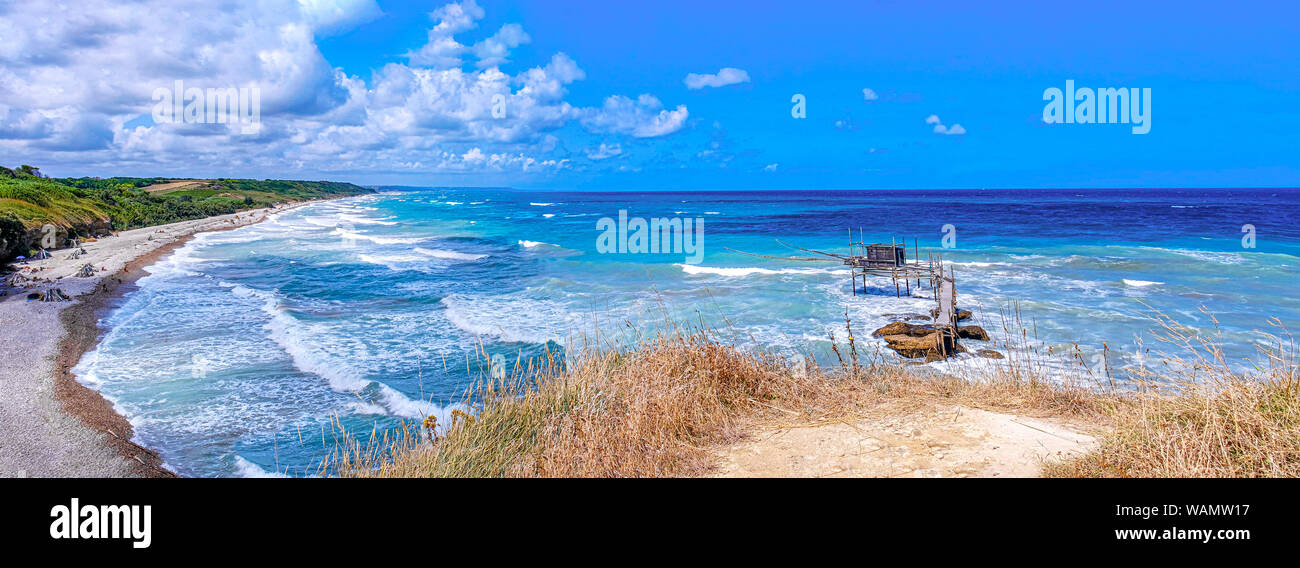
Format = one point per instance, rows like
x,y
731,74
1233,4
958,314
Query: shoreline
x,y
73,329
82,333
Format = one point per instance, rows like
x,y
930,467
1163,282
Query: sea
x,y
242,353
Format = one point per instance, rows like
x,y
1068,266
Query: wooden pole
x,y
916,254
853,275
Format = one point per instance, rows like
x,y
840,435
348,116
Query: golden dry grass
x,y
1198,416
662,407
656,410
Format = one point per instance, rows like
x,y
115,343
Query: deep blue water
x,y
237,351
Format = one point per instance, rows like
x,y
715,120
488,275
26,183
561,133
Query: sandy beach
x,y
54,426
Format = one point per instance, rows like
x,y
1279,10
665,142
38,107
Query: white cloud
x,y
457,17
334,16
869,95
939,128
770,167
442,51
643,118
724,77
605,151
70,86
494,51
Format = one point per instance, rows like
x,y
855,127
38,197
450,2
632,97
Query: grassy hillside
x,y
91,206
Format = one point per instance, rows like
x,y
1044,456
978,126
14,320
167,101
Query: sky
x,y
668,94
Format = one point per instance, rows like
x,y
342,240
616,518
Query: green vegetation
x,y
93,206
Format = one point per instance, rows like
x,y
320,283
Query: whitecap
x,y
245,468
749,271
358,236
366,220
302,343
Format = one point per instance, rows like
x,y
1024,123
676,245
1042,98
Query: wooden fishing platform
x,y
879,260
866,260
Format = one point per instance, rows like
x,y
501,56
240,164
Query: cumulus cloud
x,y
645,117
334,16
494,51
940,128
725,76
23,124
435,112
442,50
456,17
605,151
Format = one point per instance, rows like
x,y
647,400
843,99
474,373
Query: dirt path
x,y
949,441
173,186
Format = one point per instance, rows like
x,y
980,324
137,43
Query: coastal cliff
x,y
40,212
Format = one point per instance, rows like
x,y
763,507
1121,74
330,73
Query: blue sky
x,y
357,90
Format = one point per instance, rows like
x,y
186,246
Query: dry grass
x,y
1197,416
656,409
612,413
660,408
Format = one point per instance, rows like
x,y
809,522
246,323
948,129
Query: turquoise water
x,y
237,351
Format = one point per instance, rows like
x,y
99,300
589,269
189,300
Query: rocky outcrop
x,y
916,341
920,346
903,328
989,354
16,239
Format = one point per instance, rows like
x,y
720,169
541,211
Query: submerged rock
x,y
990,354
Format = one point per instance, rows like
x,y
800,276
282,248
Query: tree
x,y
13,236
